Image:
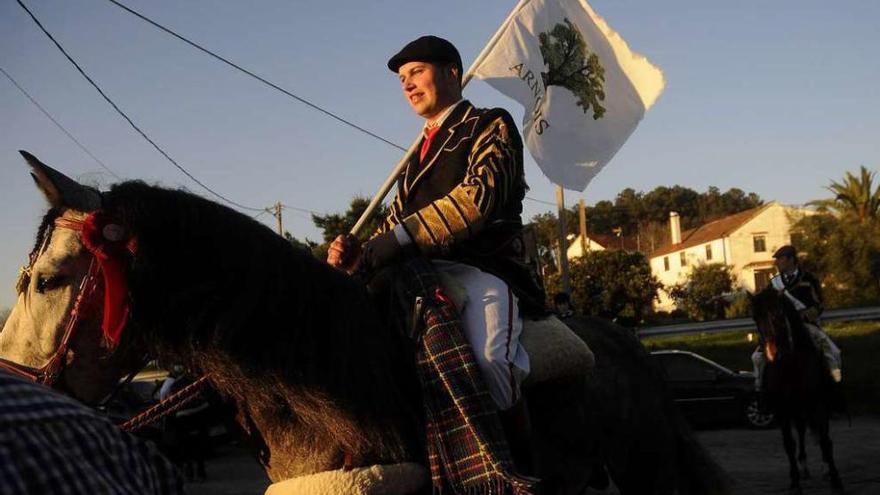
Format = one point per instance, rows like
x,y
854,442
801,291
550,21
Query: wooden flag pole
x,y
563,244
401,165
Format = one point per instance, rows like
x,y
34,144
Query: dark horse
x,y
645,442
797,382
299,350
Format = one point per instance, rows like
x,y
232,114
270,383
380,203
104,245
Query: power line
x,y
133,125
58,124
255,76
540,201
271,84
303,210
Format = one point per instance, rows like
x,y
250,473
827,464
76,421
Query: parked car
x,y
707,392
135,397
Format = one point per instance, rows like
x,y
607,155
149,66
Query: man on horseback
x,y
459,203
802,290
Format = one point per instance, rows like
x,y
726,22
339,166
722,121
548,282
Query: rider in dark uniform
x,y
803,290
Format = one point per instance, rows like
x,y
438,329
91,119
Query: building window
x,y
666,263
684,259
708,252
760,243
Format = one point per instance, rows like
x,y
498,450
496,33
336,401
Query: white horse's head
x,y
48,288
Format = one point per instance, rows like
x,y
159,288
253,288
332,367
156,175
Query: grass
x,y
859,342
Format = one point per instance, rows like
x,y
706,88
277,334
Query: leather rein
x,y
86,298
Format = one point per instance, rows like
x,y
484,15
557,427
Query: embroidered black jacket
x,y
464,200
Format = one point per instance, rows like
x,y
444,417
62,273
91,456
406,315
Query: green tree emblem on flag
x,y
573,66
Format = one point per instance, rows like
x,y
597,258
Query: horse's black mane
x,y
216,290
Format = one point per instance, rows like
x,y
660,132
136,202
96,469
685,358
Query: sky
x,y
776,97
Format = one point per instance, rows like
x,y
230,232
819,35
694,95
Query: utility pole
x,y
563,243
582,213
275,210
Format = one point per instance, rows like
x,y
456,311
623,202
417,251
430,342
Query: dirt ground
x,y
754,459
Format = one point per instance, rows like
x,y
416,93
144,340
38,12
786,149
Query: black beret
x,y
426,49
788,251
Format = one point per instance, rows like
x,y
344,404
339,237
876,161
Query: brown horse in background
x,y
797,382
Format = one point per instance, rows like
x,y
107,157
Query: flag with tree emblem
x,y
583,90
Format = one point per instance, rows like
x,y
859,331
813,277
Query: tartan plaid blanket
x,y
467,449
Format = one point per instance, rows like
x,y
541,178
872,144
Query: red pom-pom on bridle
x,y
112,247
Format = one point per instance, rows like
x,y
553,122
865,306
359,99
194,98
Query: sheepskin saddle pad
x,y
389,479
555,352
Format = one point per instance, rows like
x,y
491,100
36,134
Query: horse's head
x,y
777,322
54,330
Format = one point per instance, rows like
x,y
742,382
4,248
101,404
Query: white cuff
x,y
401,235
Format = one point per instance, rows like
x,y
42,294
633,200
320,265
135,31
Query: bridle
x,y
49,373
86,298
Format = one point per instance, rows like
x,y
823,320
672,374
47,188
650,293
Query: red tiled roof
x,y
614,242
710,231
611,242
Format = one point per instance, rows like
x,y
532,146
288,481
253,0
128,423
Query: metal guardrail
x,y
847,314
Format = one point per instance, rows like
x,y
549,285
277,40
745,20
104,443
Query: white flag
x,y
583,90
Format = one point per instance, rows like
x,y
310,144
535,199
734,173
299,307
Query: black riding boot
x,y
518,430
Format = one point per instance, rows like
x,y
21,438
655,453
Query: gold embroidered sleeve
x,y
392,218
493,169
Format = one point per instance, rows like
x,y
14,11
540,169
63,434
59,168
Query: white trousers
x,y
492,326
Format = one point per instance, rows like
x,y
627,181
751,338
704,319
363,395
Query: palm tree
x,y
855,195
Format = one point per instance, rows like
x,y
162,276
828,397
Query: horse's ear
x,y
60,190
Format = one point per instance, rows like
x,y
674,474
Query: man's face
x,y
428,88
785,264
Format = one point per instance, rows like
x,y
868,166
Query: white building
x,y
745,241
600,242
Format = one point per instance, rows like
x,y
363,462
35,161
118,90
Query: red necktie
x,y
429,136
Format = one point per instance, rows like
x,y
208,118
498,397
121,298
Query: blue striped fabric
x,y
51,444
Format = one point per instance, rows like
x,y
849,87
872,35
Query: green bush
x,y
740,307
701,295
845,254
611,284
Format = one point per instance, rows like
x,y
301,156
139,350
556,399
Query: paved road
x,y
754,459
757,461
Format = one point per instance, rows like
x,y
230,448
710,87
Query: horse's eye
x,y
45,283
